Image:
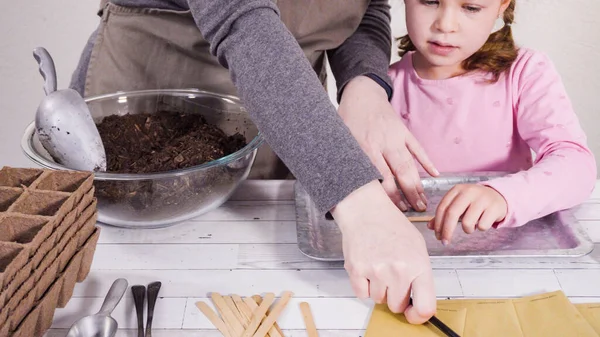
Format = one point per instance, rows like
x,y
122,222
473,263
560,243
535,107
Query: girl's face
x,y
447,32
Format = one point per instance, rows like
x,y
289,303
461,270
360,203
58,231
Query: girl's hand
x,y
479,207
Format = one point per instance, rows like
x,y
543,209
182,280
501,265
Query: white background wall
x,y
568,30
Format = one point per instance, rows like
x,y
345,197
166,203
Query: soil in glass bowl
x,y
165,141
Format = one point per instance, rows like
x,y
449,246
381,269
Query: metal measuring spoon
x,y
64,123
101,324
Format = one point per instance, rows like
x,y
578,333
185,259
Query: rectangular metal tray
x,y
555,235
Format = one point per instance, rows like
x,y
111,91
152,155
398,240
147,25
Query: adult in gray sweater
x,y
272,55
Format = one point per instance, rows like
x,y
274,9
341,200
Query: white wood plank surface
x,y
579,282
251,210
584,299
165,256
251,231
506,282
248,246
194,283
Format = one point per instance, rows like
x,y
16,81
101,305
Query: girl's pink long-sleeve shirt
x,y
467,125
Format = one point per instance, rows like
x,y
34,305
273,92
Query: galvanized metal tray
x,y
556,235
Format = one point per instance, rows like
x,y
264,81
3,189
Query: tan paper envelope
x,y
384,323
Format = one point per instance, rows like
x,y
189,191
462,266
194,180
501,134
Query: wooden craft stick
x,y
272,317
213,318
420,218
258,300
253,303
243,309
236,312
258,314
311,328
235,327
253,307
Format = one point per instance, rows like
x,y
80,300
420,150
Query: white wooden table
x,y
248,246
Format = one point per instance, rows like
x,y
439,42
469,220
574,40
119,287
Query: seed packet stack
x,y
48,237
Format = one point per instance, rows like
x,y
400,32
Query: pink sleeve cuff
x,y
502,186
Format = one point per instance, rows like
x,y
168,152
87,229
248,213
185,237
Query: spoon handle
x,y
46,65
116,292
153,289
139,294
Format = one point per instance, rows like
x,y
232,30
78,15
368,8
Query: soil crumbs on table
x,y
145,143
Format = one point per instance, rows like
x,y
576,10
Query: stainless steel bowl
x,y
166,198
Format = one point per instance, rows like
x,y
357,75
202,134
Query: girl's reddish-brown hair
x,y
495,56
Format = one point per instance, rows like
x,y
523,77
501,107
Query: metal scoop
x,y
64,123
101,324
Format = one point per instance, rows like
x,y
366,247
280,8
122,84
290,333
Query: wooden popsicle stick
x,y
213,318
258,300
272,317
235,327
258,314
420,218
236,312
252,303
311,328
243,309
253,307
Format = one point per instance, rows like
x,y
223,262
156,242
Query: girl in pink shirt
x,y
476,102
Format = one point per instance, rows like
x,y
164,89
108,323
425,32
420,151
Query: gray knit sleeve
x,y
284,97
367,51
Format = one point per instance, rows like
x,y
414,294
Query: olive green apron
x,y
149,48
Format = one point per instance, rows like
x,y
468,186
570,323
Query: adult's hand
x,y
385,255
365,109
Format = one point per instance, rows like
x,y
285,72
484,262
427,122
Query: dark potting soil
x,y
166,141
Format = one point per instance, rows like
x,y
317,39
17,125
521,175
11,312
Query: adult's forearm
x,y
284,97
367,51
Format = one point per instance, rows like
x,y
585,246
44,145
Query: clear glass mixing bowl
x,y
165,198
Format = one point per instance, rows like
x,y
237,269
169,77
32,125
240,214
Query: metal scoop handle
x,y
116,292
47,69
